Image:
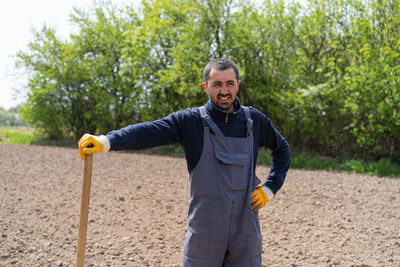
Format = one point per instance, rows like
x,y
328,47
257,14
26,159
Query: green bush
x,y
325,72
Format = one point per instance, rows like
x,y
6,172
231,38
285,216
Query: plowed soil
x,y
139,205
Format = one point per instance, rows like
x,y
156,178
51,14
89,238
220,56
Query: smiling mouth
x,y
224,97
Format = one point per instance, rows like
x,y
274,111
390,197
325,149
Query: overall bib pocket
x,y
233,171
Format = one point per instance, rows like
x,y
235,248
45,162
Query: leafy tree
x,y
325,72
112,84
81,85
179,39
316,106
10,118
262,44
372,80
51,84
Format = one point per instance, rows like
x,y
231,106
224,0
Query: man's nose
x,y
224,89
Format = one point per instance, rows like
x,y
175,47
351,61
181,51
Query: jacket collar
x,y
216,112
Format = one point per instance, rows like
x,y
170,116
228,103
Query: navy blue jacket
x,y
185,127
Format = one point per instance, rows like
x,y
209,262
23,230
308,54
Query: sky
x,y
17,18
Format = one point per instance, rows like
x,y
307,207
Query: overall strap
x,y
249,120
209,121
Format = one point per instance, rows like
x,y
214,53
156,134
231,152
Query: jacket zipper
x,y
226,118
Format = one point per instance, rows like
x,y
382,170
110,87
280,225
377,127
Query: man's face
x,y
222,88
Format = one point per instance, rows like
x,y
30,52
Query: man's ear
x,y
205,87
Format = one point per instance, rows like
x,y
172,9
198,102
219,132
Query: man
x,y
221,141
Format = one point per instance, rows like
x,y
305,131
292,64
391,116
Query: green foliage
x,y
347,99
82,85
325,72
263,47
372,80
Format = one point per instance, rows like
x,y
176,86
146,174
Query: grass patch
x,y
382,168
22,135
17,135
173,150
44,141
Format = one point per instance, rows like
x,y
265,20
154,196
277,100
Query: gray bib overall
x,y
222,228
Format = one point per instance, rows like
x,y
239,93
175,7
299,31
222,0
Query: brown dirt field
x,y
139,204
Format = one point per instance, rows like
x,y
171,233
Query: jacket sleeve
x,y
279,165
269,137
147,134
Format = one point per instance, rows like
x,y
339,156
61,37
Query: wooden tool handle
x,y
83,219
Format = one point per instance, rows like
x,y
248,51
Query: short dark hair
x,y
219,64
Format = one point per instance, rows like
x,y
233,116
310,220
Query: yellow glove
x,y
90,144
260,196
